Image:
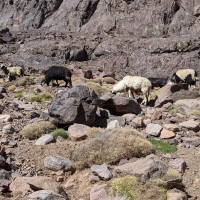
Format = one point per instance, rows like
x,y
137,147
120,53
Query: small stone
x,y
128,117
113,124
137,122
45,195
191,124
56,163
171,127
102,171
8,129
5,118
93,179
12,144
78,131
153,129
176,195
59,178
45,139
179,164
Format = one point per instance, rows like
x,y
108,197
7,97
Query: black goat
x,y
57,73
158,82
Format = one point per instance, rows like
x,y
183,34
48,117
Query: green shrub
x,y
60,132
41,97
34,131
163,147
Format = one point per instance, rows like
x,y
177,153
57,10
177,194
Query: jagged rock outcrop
x,y
149,38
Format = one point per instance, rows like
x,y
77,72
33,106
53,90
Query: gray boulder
x,y
118,104
56,163
145,168
45,195
74,105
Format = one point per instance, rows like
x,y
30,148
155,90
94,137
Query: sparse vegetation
x,y
130,188
124,186
97,88
111,146
20,93
22,81
163,147
41,97
173,111
108,80
34,131
60,132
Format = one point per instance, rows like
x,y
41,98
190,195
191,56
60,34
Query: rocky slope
x,y
150,38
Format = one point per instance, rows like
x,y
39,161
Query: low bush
x,y
111,146
60,132
41,97
34,131
132,189
163,147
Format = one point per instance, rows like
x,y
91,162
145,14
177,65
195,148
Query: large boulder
x,y
118,104
164,94
188,106
74,105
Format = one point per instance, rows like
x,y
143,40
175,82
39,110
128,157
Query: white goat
x,y
12,72
132,84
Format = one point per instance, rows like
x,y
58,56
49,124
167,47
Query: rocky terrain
x,y
84,143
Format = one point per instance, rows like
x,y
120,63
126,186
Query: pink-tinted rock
x,y
166,134
25,184
98,192
171,127
137,122
78,131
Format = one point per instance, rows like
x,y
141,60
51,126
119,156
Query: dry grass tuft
x,y
11,88
34,131
97,88
93,131
130,188
22,81
111,146
108,80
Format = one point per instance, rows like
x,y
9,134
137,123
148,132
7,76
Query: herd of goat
x,y
129,84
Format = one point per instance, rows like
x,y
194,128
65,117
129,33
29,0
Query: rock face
x,y
103,32
74,105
